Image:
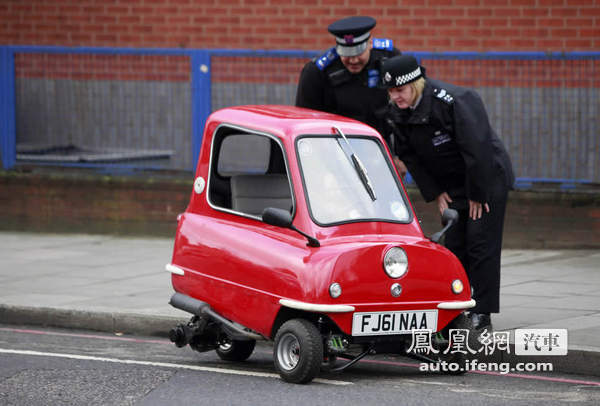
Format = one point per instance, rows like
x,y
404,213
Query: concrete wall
x,y
100,115
149,207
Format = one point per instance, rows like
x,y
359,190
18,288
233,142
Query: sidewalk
x,y
119,285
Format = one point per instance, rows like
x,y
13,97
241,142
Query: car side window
x,y
244,154
248,173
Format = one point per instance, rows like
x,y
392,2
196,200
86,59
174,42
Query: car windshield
x,y
334,189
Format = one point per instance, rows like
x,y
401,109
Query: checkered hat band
x,y
409,77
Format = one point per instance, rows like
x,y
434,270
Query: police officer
x,y
344,80
445,139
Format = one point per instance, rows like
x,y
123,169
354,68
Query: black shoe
x,y
480,321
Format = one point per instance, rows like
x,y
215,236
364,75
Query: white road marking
x,y
426,382
161,364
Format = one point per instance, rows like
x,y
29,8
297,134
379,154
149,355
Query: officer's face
x,y
403,96
355,64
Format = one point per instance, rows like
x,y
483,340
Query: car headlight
x,y
395,262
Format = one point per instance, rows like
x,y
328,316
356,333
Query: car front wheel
x,y
298,351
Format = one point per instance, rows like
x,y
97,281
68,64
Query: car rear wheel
x,y
235,350
298,351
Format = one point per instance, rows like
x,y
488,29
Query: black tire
x,y
298,351
235,350
458,358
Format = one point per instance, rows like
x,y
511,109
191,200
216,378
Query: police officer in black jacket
x,y
444,137
344,80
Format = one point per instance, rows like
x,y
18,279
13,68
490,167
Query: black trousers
x,y
478,244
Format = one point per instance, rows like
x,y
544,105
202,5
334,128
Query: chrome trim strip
x,y
311,307
174,269
457,305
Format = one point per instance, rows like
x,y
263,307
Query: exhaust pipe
x,y
200,308
188,304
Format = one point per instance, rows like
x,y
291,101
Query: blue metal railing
x,y
7,108
200,102
200,91
553,134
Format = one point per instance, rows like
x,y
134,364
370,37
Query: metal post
x,y
8,150
201,105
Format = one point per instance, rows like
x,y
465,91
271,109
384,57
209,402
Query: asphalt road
x,y
64,367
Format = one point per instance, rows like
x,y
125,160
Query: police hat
x,y
352,34
400,70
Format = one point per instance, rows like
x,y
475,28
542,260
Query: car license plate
x,y
386,323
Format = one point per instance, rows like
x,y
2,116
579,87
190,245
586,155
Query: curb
x,y
578,361
109,322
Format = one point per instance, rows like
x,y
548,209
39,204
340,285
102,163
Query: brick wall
x,y
416,25
103,67
91,204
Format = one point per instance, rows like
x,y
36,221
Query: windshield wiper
x,y
358,166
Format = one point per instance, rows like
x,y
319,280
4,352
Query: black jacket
x,y
335,90
448,145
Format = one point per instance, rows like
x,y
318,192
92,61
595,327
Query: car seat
x,y
252,194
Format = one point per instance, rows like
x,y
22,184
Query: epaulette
x,y
383,44
444,95
325,60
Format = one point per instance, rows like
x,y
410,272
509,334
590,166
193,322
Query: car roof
x,y
287,121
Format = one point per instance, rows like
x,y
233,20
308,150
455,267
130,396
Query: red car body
x,y
258,275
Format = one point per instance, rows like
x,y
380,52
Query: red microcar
x,y
299,231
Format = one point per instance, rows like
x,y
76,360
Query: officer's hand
x,y
476,209
442,201
400,167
